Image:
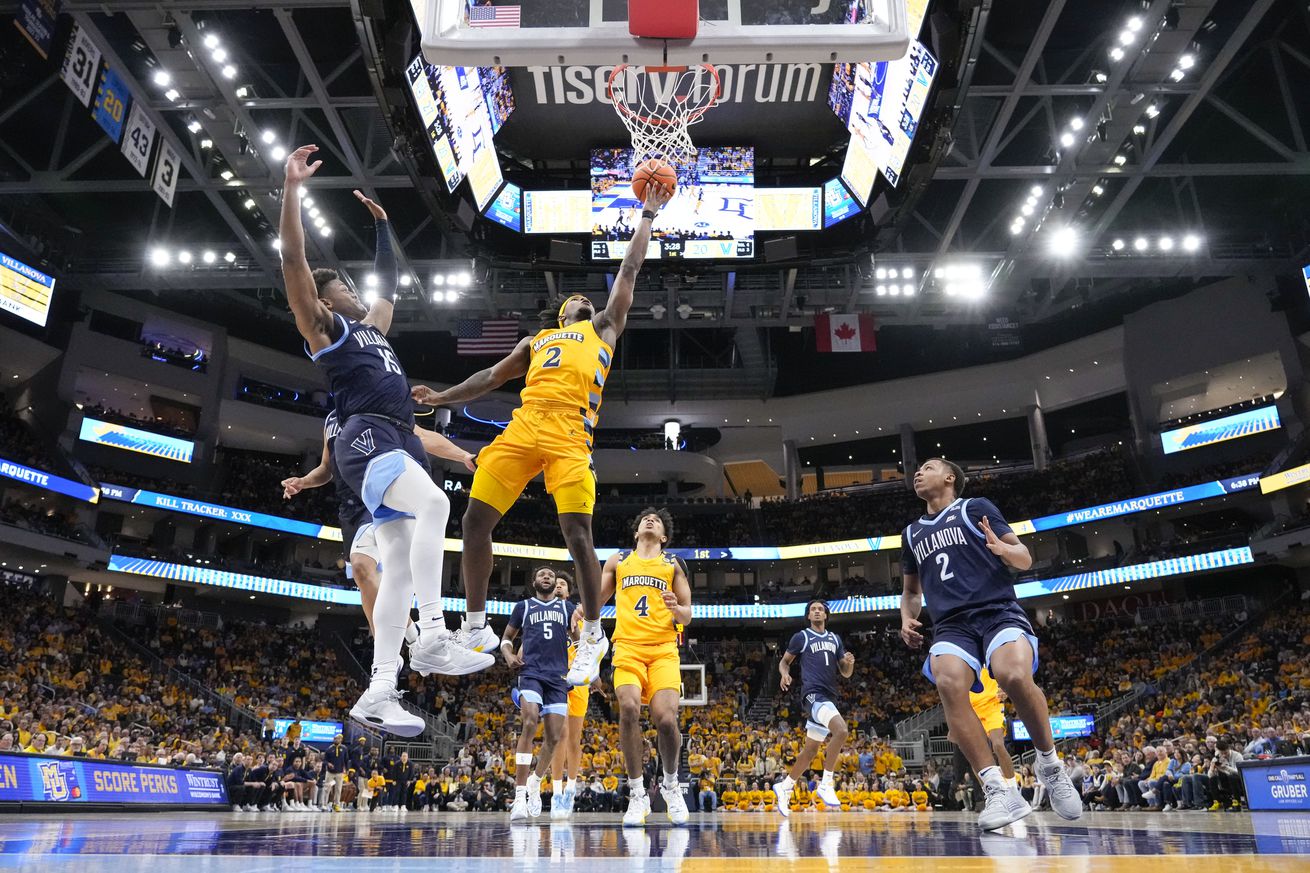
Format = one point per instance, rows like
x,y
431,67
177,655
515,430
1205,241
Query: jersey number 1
x,y
641,607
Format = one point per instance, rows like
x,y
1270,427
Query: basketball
x,y
656,169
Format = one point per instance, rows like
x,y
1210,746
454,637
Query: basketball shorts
x,y
552,697
579,697
548,438
991,715
821,710
373,452
974,635
650,668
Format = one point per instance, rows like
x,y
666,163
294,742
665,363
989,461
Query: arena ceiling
x,y
1216,150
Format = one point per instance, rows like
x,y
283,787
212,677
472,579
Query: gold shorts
x,y
541,438
650,668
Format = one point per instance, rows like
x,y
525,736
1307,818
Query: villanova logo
x,y
364,442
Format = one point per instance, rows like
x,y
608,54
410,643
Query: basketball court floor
x,y
729,843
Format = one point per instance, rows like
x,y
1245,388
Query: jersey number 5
x,y
553,354
641,607
545,630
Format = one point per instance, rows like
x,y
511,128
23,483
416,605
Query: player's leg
x,y
1012,659
804,759
364,570
837,734
997,738
570,480
530,702
554,731
629,684
668,739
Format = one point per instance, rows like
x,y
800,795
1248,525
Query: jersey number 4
x,y
641,607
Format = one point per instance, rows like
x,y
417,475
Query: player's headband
x,y
560,317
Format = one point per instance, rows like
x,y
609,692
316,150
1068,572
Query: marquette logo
x,y
558,335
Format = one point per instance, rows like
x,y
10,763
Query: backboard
x,y
525,33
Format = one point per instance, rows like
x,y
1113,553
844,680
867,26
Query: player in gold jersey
x,y
566,365
652,603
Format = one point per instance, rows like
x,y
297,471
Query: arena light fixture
x,y
211,41
894,290
405,280
1017,227
907,273
1118,245
1177,75
320,221
1027,209
1120,160
881,290
370,297
269,137
278,153
1063,242
1135,23
277,244
227,175
1067,139
880,273
184,257
1127,37
243,92
250,203
1139,129
465,279
1186,62
1141,244
306,199
325,230
1152,111
206,144
171,95
209,257
1076,123
219,55
1116,54
1166,244
1098,190
1037,191
229,72
438,280
230,257
193,125
162,78
436,296
371,280
908,290
159,257
452,296
1191,242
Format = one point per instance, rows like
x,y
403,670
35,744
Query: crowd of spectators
x,y
41,516
18,444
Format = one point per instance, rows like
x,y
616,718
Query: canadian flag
x,y
846,333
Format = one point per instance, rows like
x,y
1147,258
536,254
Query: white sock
x,y
637,787
671,780
411,633
415,492
1047,758
391,610
475,620
520,791
827,777
788,782
991,777
591,629
534,782
570,785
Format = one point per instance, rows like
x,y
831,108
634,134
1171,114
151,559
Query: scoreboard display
x,y
25,291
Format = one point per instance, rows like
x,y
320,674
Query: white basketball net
x,y
658,104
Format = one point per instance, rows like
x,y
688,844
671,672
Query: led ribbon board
x,y
49,779
886,603
310,731
1230,427
120,436
1062,727
48,481
218,512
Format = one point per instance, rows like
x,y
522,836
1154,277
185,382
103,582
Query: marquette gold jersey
x,y
641,618
569,366
985,699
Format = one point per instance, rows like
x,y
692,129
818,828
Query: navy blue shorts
x,y
552,697
974,634
371,453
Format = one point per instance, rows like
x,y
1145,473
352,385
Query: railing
x,y
1209,608
923,721
142,613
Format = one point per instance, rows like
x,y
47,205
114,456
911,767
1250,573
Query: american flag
x,y
476,337
494,16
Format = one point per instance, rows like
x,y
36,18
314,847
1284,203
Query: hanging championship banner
x,y
36,21
112,98
166,169
138,138
80,65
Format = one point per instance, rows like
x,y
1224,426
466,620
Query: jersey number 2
x,y
553,355
943,566
641,607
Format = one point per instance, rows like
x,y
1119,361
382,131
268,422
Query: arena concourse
x,y
1043,258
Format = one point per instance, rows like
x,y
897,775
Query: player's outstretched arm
x,y
611,320
315,478
313,319
513,660
679,599
439,447
512,366
384,267
784,670
911,606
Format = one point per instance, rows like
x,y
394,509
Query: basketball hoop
x,y
658,104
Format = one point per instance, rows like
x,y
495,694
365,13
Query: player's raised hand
x,y
994,544
291,487
910,632
378,213
425,395
298,166
656,197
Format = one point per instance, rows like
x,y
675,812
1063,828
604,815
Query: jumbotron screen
x,y
711,217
